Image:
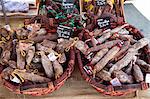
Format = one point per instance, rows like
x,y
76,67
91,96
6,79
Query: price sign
x,y
103,22
64,31
88,70
100,2
68,4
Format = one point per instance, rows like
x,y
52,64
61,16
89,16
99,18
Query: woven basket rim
x,y
56,83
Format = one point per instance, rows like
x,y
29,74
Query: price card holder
x,y
64,31
101,2
103,22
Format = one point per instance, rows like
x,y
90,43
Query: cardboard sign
x,y
101,2
115,82
88,70
103,22
68,4
147,79
64,31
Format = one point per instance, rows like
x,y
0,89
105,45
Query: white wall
x,y
143,6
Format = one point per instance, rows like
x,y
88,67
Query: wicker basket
x,y
43,88
116,90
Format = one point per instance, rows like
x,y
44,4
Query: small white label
x,y
7,27
51,56
96,42
16,80
147,79
123,31
29,27
60,40
115,82
90,56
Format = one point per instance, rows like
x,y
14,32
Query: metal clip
x,y
15,72
23,53
8,37
35,71
2,42
74,42
3,39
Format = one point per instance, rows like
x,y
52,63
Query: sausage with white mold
x,y
47,64
132,51
110,54
137,73
99,55
58,69
30,55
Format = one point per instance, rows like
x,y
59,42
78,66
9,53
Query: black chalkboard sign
x,y
64,31
101,2
103,22
68,4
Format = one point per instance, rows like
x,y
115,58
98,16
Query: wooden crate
x,y
118,7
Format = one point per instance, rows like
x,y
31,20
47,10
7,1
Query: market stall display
x,y
37,58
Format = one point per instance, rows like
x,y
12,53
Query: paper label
x,y
7,27
16,80
96,42
88,70
115,82
29,27
51,56
147,79
60,40
101,2
103,22
64,31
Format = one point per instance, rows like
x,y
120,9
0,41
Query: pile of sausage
x,y
31,54
113,54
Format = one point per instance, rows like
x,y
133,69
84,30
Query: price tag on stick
x,y
103,22
64,31
67,4
101,2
